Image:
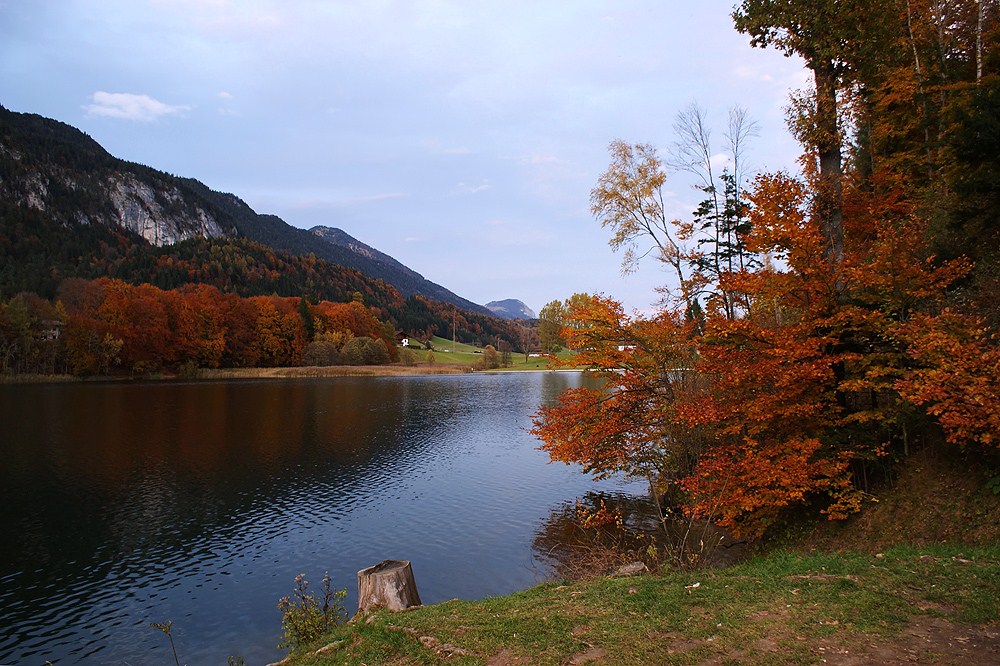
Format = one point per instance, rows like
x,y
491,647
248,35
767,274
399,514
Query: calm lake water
x,y
130,503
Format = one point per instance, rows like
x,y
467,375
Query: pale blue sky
x,y
460,136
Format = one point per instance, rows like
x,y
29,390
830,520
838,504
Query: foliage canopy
x,y
847,312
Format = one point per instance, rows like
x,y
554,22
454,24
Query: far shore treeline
x,y
108,326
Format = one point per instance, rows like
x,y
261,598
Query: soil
x,y
926,640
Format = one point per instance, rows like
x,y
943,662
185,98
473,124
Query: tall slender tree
x,y
836,39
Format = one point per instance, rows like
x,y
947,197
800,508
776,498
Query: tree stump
x,y
388,584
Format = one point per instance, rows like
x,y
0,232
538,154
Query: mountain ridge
x,y
52,168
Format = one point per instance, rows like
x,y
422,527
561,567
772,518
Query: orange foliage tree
x,y
843,342
755,414
113,326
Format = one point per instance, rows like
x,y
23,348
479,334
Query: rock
x,y
332,647
631,569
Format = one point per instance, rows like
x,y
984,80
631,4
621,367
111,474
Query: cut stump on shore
x,y
388,584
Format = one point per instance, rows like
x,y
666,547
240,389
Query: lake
x,y
130,503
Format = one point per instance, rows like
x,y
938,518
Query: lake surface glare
x,y
130,503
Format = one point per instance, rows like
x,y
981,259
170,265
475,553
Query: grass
x,y
783,607
468,356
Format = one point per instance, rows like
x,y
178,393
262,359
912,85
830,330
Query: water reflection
x,y
574,550
131,503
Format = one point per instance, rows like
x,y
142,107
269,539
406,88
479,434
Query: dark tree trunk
x,y
830,201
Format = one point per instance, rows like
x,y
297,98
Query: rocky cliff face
x,y
161,216
53,168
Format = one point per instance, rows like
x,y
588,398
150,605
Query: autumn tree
x,y
837,40
505,349
491,358
527,340
629,199
239,318
754,415
202,313
720,224
853,334
91,347
550,325
627,426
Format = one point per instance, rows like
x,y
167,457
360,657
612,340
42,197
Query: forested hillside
x,y
72,215
62,190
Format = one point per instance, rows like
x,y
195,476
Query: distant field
x,y
460,353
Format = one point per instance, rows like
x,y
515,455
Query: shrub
x,y
407,356
491,358
304,618
365,351
321,353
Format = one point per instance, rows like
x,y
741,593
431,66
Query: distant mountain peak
x,y
510,308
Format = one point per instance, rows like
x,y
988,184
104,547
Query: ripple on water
x,y
201,505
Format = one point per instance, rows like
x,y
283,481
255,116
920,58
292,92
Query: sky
x,y
462,137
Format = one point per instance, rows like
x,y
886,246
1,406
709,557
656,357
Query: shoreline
x,y
288,372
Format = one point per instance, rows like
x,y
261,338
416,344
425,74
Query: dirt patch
x,y
591,655
926,640
507,658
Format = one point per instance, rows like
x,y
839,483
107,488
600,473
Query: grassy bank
x,y
842,592
331,371
447,352
931,605
449,359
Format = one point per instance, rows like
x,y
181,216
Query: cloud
x,y
224,95
465,188
128,106
719,161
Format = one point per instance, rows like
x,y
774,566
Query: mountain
x,y
57,170
372,262
511,308
54,176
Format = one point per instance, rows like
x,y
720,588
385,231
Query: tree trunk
x,y
388,584
979,40
830,203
